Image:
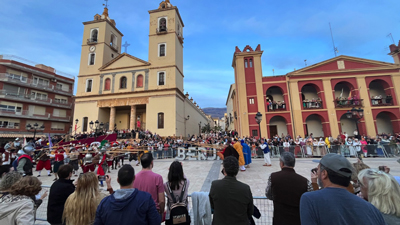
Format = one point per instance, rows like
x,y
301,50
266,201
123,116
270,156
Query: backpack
x,y
178,213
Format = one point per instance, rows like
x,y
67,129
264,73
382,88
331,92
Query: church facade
x,y
341,94
125,92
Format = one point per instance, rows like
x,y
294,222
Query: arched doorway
x,y
277,126
275,99
310,96
348,125
379,91
314,126
384,123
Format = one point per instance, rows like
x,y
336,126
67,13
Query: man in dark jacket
x,y
127,205
285,188
59,192
231,199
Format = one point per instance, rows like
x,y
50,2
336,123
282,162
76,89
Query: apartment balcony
x,y
274,107
312,105
31,99
388,101
348,103
25,82
30,115
92,41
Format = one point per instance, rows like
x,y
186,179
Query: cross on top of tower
x,y
106,5
126,45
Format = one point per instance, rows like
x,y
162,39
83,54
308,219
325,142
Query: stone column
x,y
112,118
133,117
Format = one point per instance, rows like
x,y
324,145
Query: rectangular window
x,y
57,126
59,86
89,85
251,101
41,82
92,57
251,62
38,96
162,50
254,133
160,120
161,78
245,63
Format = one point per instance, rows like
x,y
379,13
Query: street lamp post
x,y
357,115
258,120
35,127
97,126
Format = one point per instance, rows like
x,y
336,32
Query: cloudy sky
x,y
289,31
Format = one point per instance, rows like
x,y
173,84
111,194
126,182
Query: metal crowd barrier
x,y
41,212
264,205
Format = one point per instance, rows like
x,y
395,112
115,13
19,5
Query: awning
x,y
16,135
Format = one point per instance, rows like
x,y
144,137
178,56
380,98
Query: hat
x,y
338,164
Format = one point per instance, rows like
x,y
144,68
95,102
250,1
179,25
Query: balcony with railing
x,y
276,106
32,99
379,101
27,82
92,41
348,103
314,104
161,30
31,115
114,47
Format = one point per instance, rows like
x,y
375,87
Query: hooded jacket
x,y
127,206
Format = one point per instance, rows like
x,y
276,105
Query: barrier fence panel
x,y
41,212
264,205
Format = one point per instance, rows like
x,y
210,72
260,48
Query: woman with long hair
x,y
381,190
80,207
17,206
176,182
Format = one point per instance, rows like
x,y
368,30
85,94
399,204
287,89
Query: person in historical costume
x,y
88,163
349,144
16,144
25,162
59,156
238,147
309,147
322,147
101,171
74,160
230,151
6,157
43,161
246,153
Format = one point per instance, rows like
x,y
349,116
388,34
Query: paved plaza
x,y
202,173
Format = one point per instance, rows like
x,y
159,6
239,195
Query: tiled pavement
x,y
201,173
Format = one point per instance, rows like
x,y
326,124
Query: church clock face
x,y
92,48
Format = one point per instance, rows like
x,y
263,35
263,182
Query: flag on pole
x,y
50,143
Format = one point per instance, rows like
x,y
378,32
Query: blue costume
x,y
246,153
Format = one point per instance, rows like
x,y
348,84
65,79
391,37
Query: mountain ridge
x,y
215,112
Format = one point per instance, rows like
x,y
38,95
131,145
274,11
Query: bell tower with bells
x,y
101,43
166,41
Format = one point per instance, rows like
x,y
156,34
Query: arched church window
x,y
85,123
94,35
139,81
163,24
122,83
107,84
113,41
